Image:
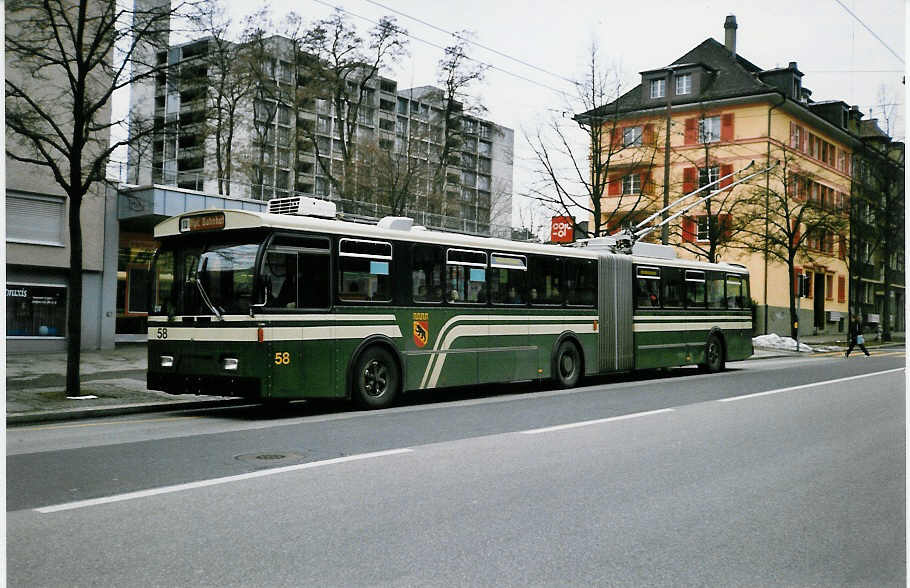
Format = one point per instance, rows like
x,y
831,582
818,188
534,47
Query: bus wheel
x,y
714,355
568,365
376,379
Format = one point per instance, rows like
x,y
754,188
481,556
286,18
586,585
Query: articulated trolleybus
x,y
294,304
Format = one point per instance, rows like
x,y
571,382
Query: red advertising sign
x,y
562,229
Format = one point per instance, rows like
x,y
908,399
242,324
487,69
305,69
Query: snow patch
x,y
775,341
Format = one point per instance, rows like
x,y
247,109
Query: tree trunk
x,y
74,300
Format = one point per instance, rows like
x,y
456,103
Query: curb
x,y
29,418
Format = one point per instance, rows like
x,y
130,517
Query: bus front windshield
x,y
204,277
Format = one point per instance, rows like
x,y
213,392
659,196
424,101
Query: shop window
x,y
35,311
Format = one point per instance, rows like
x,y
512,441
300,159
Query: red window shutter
x,y
615,138
724,223
726,127
841,289
793,137
842,253
802,139
691,131
796,233
689,178
689,229
645,179
614,186
647,135
796,271
726,170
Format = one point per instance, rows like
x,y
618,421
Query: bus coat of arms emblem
x,y
421,329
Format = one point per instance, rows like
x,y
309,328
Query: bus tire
x,y
376,379
714,355
567,365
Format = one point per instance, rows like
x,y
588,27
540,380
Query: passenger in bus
x,y
514,298
533,295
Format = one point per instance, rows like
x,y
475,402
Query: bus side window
x,y
466,275
508,275
735,292
314,282
364,270
647,287
279,275
695,289
716,290
546,286
426,275
581,282
672,287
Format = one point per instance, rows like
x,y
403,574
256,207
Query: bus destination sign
x,y
202,222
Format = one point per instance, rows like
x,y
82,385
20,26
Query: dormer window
x,y
684,84
658,88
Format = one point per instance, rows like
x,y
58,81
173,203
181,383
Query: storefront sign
x,y
562,229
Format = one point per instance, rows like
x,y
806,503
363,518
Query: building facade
x,y
38,240
723,113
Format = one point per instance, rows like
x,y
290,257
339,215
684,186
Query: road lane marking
x,y
594,422
80,425
812,385
215,481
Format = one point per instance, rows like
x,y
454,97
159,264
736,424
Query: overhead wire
x,y
437,46
865,26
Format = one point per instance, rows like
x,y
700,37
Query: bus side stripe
x,y
654,328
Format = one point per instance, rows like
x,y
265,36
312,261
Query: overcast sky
x,y
840,58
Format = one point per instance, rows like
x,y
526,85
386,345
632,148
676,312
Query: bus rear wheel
x,y
714,355
568,365
376,379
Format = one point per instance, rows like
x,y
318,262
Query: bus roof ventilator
x,y
302,206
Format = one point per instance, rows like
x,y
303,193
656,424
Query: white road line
x,y
812,385
595,422
215,481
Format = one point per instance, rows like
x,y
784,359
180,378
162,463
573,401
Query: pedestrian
x,y
856,337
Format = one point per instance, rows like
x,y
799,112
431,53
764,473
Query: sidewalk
x,y
113,382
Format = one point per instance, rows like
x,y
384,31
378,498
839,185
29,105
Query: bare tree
x,y
877,222
578,167
391,177
77,55
791,220
458,74
229,86
344,70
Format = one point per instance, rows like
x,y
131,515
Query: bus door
x,y
295,278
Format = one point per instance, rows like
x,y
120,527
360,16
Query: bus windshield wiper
x,y
202,292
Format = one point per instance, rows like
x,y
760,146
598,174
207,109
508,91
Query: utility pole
x,y
665,229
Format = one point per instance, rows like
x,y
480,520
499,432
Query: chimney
x,y
730,34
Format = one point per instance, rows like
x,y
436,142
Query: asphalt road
x,y
776,472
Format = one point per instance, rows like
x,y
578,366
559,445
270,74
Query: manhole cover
x,y
270,457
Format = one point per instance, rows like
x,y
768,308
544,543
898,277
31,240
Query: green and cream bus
x,y
293,303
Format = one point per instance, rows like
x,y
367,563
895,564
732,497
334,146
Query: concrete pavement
x,y
113,382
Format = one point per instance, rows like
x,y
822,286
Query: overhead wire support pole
x,y
639,234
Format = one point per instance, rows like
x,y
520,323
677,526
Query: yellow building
x,y
724,113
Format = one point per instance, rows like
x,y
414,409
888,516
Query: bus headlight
x,y
167,361
230,364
